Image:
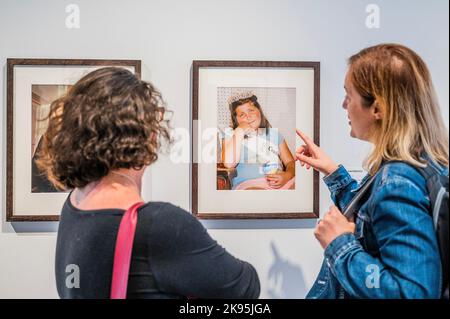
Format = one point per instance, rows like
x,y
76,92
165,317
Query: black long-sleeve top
x,y
173,256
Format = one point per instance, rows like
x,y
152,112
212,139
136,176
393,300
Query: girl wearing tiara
x,y
258,152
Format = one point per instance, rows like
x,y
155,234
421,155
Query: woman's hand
x,y
278,179
332,226
312,155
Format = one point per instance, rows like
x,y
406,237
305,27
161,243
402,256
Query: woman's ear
x,y
376,111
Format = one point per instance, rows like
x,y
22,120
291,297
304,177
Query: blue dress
x,y
260,155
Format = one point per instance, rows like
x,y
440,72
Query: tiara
x,y
239,96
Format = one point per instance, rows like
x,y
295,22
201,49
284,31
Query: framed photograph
x,y
32,85
244,120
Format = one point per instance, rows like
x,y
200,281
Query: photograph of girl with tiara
x,y
257,133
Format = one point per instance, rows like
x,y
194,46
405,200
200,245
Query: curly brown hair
x,y
108,120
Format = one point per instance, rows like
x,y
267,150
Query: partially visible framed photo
x,y
32,85
244,116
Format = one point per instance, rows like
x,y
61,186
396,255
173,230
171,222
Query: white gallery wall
x,y
167,35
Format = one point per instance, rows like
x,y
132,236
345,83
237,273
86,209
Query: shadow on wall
x,y
285,278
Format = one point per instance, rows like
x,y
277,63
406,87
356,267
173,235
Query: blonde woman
x,y
390,250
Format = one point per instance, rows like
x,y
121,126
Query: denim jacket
x,y
393,252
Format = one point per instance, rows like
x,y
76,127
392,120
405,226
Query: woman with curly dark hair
x,y
101,137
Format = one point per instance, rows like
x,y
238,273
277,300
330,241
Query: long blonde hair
x,y
398,80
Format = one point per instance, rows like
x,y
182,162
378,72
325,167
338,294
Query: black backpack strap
x,y
437,187
433,177
352,207
429,171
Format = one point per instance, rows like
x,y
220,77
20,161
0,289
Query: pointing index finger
x,y
305,138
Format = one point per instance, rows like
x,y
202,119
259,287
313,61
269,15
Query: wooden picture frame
x,y
31,85
276,81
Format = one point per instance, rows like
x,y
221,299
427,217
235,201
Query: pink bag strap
x,y
123,251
